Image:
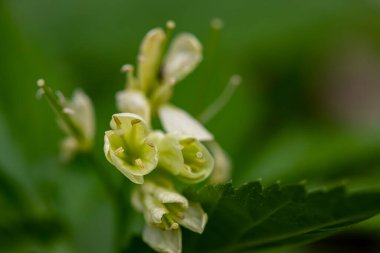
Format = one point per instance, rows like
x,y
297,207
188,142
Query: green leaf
x,y
255,218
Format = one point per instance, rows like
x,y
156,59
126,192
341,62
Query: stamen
x,y
188,168
216,24
174,225
60,96
119,151
135,121
187,141
140,163
169,223
117,120
222,100
41,83
68,111
176,211
109,133
128,69
170,25
150,144
57,106
40,93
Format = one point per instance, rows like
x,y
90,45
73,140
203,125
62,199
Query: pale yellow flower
x,y
127,147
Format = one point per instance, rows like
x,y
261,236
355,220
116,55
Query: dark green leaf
x,y
254,218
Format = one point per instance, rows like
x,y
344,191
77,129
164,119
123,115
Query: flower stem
x,y
59,109
222,100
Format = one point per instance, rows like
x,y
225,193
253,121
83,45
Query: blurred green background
x,y
308,108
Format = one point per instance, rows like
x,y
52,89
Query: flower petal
x,y
84,114
169,241
195,218
150,57
178,121
133,102
170,158
126,170
222,164
164,195
184,55
154,210
199,163
124,120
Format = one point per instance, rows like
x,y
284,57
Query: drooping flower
x,y
81,111
76,118
165,210
127,147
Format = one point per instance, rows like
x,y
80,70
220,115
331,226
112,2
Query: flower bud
x,y
127,147
183,56
150,56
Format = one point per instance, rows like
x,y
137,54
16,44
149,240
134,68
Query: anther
x,y
150,144
139,163
40,93
109,133
135,121
170,24
216,23
68,111
41,83
119,151
117,120
127,68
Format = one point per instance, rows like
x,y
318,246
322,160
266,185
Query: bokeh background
x,y
308,108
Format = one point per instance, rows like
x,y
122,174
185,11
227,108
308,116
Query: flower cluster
x,y
151,158
137,150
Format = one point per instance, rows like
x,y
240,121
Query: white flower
x,y
127,147
165,211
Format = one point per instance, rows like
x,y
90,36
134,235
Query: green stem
x,y
59,109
